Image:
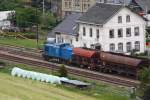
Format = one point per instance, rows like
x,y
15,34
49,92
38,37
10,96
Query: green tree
x,y
10,4
63,71
12,18
145,83
49,20
26,17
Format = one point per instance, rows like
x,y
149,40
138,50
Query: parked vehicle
x,y
95,60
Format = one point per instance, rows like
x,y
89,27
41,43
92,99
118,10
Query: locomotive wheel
x,y
46,58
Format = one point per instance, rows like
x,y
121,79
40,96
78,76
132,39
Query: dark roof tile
x,y
68,25
145,4
99,13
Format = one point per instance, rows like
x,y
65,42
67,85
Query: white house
x,y
112,28
4,22
116,28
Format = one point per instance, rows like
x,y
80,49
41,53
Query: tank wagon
x,y
94,60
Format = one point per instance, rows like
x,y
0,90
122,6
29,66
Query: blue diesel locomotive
x,y
61,51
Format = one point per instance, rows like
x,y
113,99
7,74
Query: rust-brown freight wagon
x,y
85,58
120,63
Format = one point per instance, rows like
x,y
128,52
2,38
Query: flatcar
x,y
94,60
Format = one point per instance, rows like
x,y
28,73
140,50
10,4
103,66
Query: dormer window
x,y
128,18
119,19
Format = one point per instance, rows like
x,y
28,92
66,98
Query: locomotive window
x,y
46,48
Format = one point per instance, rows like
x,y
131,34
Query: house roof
x,y
68,25
144,4
100,13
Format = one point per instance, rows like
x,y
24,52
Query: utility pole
x,y
124,3
37,33
43,8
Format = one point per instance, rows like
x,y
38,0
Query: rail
x,y
71,70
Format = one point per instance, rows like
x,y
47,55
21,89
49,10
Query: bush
x,y
63,71
146,93
2,63
144,88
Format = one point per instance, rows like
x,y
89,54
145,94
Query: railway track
x,y
26,52
71,70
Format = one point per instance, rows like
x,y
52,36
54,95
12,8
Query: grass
x,y
28,43
24,89
12,88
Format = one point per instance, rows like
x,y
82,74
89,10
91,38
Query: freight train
x,y
94,60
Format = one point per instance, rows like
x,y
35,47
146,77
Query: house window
x,y
111,33
128,32
66,4
112,47
97,33
84,6
69,4
71,41
128,18
58,39
119,19
62,40
129,46
84,45
77,38
137,46
84,31
136,31
91,32
120,47
120,33
77,3
88,5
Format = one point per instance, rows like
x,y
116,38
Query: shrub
x,y
2,63
63,71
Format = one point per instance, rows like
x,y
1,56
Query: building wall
x,y
104,39
148,18
4,22
63,38
69,6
